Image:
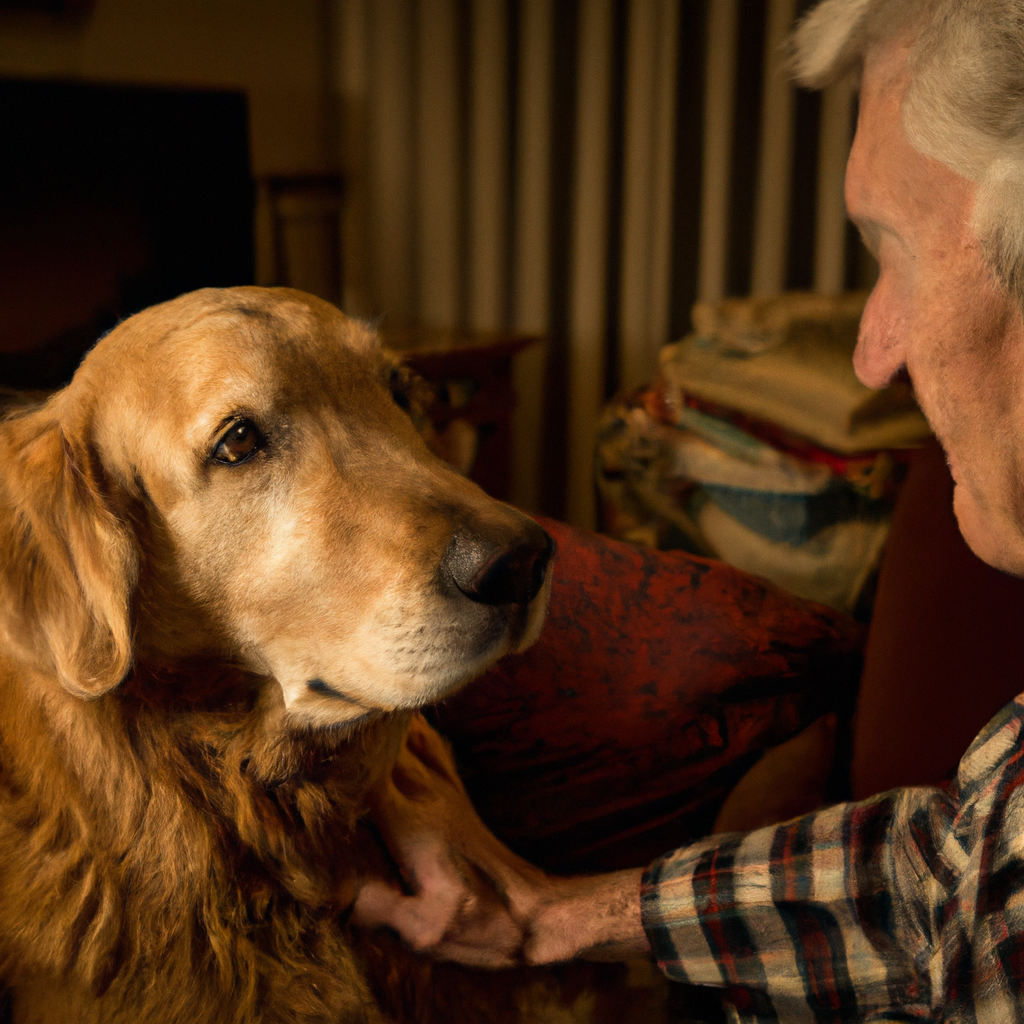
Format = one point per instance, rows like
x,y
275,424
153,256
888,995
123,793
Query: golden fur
x,y
205,665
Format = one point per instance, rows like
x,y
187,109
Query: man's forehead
x,y
887,64
889,181
874,180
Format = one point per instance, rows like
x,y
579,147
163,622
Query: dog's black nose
x,y
507,569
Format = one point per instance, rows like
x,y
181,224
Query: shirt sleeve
x,y
832,916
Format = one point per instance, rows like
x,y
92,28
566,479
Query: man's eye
x,y
240,442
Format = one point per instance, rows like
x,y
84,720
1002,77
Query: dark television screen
x,y
112,198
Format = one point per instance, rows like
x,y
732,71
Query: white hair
x,y
965,102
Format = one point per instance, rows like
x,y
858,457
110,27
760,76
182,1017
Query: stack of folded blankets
x,y
757,444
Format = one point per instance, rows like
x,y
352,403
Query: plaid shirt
x,y
908,906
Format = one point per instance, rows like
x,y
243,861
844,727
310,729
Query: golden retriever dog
x,y
230,569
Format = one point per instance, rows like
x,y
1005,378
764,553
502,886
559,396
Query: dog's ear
x,y
410,391
71,561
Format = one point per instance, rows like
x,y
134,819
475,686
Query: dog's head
x,y
229,476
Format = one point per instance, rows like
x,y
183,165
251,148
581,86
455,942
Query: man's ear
x,y
70,563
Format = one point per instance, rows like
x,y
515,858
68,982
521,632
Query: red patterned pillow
x,y
658,680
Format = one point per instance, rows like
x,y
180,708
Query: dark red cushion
x,y
944,653
658,679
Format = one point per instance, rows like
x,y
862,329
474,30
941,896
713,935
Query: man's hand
x,y
463,895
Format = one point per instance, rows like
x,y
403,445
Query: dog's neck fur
x,y
134,801
172,826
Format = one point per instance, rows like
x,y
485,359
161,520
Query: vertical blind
x,y
583,170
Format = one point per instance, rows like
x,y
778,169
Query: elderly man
x,y
912,903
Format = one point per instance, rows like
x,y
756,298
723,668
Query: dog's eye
x,y
240,442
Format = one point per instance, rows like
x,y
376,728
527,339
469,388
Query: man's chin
x,y
992,538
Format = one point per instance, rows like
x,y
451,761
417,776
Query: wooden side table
x,y
305,211
471,372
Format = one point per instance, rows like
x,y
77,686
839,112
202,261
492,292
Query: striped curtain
x,y
584,170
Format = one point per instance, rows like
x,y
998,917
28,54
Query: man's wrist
x,y
594,917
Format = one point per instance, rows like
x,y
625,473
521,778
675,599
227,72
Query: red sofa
x,y
661,678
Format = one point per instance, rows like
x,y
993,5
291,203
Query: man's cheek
x,y
990,533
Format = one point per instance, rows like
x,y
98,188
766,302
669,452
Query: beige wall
x,y
272,49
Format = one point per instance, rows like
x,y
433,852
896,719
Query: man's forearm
x,y
594,918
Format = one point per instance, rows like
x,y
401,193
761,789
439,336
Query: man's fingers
x,y
375,904
457,875
483,940
423,920
415,919
478,956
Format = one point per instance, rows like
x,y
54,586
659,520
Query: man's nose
x,y
880,353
